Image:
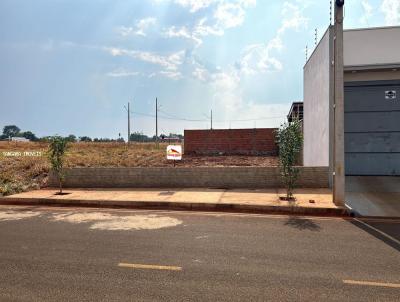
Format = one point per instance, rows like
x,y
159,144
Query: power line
x,y
176,118
221,121
252,119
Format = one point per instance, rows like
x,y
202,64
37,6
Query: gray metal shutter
x,y
372,128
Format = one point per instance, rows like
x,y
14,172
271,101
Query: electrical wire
x,y
222,121
173,117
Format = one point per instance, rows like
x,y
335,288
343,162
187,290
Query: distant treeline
x,y
13,131
140,137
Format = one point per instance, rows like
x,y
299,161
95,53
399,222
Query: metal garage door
x,y
372,128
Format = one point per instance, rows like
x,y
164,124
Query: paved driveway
x,y
374,195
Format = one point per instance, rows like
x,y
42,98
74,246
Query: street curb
x,y
178,206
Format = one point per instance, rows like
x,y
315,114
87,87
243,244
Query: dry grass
x,y
24,173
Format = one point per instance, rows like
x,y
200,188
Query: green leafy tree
x,y
57,148
139,137
71,138
11,130
290,140
85,139
29,135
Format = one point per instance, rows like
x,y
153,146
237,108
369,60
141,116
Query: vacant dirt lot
x,y
21,173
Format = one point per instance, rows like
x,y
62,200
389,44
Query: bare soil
x,y
228,161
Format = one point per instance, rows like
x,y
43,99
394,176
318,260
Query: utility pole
x,y
129,122
156,123
338,107
211,119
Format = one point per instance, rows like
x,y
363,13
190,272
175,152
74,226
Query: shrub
x,y
56,152
289,140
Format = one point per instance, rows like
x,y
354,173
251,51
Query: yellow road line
x,y
147,266
368,283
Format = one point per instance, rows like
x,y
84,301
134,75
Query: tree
x,y
71,138
174,135
290,140
11,130
139,137
57,148
85,139
29,135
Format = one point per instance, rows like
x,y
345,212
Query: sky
x,y
70,66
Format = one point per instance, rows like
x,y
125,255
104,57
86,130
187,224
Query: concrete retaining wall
x,y
205,177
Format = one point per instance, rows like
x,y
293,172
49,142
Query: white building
x,y
19,139
372,102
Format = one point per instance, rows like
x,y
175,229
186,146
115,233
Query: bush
x,y
9,188
289,140
56,152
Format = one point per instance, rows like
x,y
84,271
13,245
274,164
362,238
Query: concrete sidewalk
x,y
238,200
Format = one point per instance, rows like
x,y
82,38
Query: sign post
x,y
174,153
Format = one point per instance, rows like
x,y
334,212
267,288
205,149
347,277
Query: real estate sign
x,y
174,152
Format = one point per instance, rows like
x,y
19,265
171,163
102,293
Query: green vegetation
x,y
11,130
57,148
14,131
143,138
290,141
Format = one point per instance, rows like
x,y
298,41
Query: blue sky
x,y
71,66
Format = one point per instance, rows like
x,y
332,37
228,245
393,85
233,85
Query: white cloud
x,y
258,57
230,104
229,15
200,73
195,5
182,32
175,75
367,8
139,29
169,62
391,10
293,17
226,15
226,84
122,73
227,94
204,29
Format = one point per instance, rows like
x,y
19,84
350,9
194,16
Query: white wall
x,y
374,46
316,106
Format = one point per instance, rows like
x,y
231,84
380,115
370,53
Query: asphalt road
x,y
58,254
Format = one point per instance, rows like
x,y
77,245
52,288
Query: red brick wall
x,y
259,141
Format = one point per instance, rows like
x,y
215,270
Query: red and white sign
x,y
174,152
